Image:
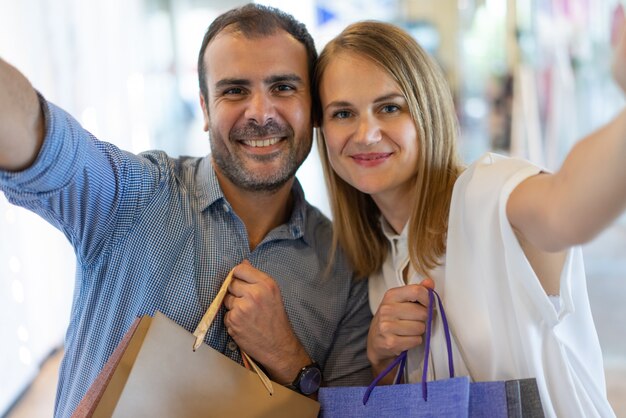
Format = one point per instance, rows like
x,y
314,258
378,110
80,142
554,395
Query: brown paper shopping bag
x,y
155,372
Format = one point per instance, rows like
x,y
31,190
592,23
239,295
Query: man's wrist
x,y
285,366
308,380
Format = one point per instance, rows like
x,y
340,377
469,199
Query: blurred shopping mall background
x,y
529,77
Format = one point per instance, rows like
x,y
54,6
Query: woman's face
x,y
370,136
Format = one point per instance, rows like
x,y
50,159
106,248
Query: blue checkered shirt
x,y
156,233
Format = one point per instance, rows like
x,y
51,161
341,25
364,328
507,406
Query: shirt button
x,y
226,208
232,346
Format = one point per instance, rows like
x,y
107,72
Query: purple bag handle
x,y
401,359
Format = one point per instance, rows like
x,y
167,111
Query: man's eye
x,y
284,87
233,90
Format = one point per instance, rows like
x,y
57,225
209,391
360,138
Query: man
x,y
156,233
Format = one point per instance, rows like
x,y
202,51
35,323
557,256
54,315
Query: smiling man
x,y
257,108
153,232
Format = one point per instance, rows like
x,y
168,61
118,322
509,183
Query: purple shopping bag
x,y
446,398
453,397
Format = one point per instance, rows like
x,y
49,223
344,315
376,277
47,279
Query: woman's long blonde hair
x,y
357,228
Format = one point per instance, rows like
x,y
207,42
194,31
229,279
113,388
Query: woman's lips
x,y
371,159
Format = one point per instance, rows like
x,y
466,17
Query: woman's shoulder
x,y
497,163
493,170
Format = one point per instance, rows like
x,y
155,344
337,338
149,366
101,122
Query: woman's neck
x,y
395,207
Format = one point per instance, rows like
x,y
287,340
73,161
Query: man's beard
x,y
233,164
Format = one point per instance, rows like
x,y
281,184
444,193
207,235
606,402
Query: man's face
x,y
258,109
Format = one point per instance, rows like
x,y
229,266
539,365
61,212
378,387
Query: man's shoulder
x,y
160,156
182,167
319,235
318,223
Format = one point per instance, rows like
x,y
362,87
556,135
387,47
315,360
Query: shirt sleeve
x,y
502,320
347,363
88,189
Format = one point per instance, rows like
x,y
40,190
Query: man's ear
x,y
205,112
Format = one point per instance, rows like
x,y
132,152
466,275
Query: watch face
x,y
310,380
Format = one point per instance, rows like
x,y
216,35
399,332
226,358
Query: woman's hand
x,y
398,325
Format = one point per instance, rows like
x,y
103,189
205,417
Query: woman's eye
x,y
341,114
390,108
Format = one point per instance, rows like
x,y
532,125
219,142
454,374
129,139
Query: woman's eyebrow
x,y
338,103
383,98
389,96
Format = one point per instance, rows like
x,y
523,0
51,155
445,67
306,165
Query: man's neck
x,y
260,211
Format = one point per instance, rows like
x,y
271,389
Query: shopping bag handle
x,y
211,312
207,320
401,359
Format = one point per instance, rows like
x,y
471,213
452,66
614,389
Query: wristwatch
x,y
308,380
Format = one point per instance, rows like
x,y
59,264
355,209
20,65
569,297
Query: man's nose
x,y
261,108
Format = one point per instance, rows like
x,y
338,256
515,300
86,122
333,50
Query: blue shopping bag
x,y
446,398
453,397
517,398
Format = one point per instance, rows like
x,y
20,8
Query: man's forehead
x,y
234,54
235,30
233,33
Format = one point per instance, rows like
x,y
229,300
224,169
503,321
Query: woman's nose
x,y
368,131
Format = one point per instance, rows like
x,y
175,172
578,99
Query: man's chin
x,y
263,179
267,186
257,175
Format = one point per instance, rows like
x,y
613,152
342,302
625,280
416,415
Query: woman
x,y
497,240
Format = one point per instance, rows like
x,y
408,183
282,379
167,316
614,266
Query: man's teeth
x,y
262,142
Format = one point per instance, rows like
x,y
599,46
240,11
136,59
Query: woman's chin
x,y
370,188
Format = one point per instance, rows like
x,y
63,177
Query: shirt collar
x,y
209,192
208,189
398,243
389,232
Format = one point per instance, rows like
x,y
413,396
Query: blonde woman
x,y
498,239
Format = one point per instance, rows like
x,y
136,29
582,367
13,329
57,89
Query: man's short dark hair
x,y
255,20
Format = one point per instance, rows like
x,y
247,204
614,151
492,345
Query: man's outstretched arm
x,y
21,120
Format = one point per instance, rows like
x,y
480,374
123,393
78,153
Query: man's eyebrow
x,y
294,78
227,82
